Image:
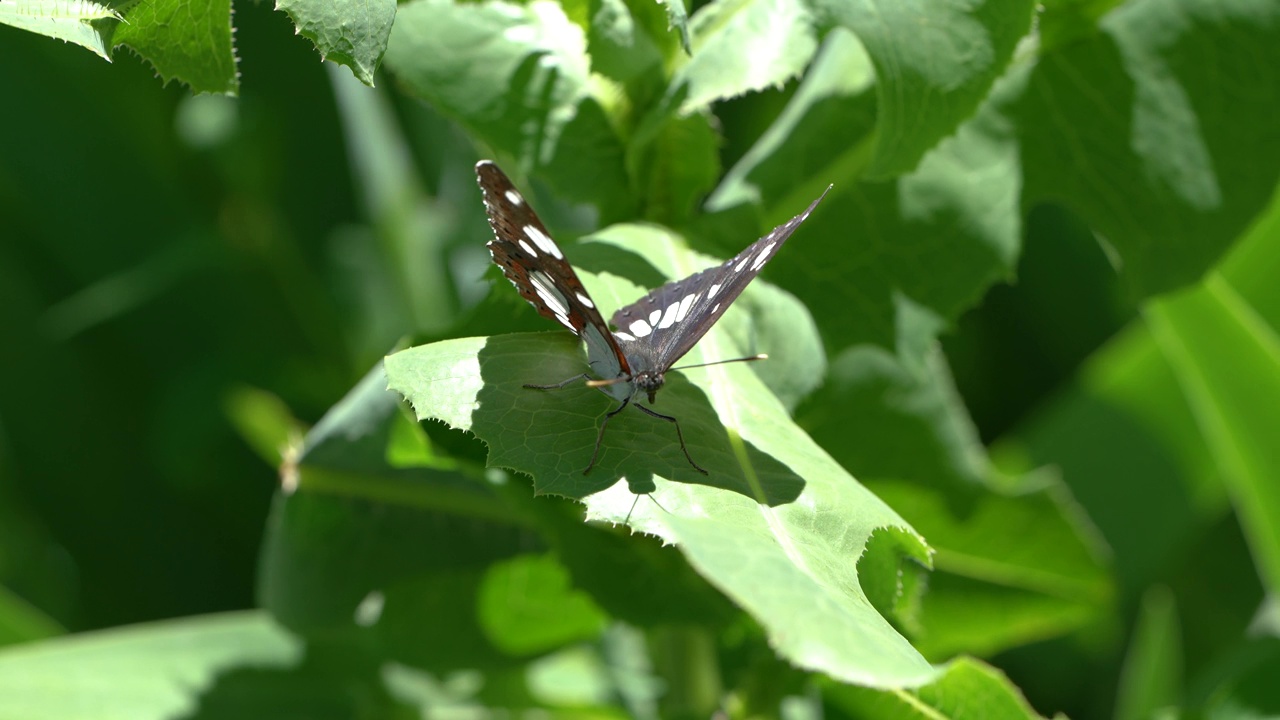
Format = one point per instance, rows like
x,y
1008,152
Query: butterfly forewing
x,y
659,328
533,262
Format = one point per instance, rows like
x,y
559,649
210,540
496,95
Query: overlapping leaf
x,y
774,525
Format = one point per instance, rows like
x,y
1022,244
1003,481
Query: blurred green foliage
x,y
946,495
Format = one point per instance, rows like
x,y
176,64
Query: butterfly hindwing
x,y
533,262
659,328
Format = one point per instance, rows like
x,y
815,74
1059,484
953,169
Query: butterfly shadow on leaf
x,y
550,434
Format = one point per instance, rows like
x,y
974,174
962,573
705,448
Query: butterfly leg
x,y
557,386
679,435
600,435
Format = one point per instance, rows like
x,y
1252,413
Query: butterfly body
x,y
651,334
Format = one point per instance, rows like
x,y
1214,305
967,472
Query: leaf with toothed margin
x,y
74,22
185,40
351,34
777,525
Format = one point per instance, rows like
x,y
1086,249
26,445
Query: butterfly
x,y
652,333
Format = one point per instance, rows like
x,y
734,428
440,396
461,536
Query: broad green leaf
x,y
160,670
740,46
184,40
942,234
1152,675
1156,130
526,605
628,42
73,21
676,168
823,134
968,689
1227,361
21,622
895,401
351,34
987,594
1131,441
919,451
932,240
776,525
344,554
1241,685
519,79
935,62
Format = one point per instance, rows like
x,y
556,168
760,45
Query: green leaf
x,y
1227,360
740,46
934,239
21,622
760,527
822,134
1152,675
351,34
526,605
1243,684
935,62
342,560
263,421
899,400
159,670
518,78
678,20
967,690
1156,130
986,595
73,21
185,40
918,451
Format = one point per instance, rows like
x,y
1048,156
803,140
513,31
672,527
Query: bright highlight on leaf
x,y
67,20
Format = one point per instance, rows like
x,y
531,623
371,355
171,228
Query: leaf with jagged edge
x,y
186,40
740,47
351,34
519,79
73,21
777,525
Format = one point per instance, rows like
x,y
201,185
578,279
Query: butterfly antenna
x,y
761,356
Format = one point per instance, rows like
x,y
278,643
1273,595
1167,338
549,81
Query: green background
x,y
1015,452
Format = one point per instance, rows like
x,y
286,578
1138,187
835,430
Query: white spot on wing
x,y
759,261
624,336
669,317
686,305
653,316
514,198
582,298
742,264
547,291
527,247
546,244
640,328
712,292
714,309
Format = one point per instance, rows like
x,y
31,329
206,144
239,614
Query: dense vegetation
x,y
1013,453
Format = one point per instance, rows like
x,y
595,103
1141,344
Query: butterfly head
x,y
649,382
